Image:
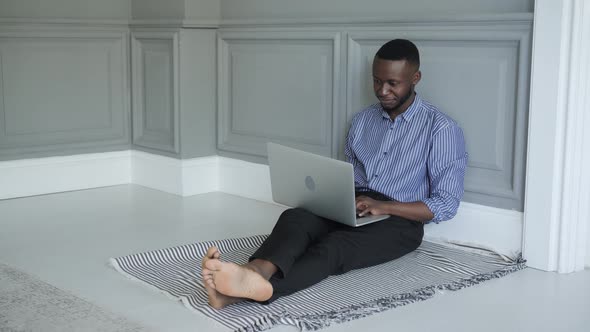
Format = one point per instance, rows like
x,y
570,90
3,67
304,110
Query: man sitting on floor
x,y
409,162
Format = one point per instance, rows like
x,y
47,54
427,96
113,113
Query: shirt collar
x,y
409,113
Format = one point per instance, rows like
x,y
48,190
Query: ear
x,y
416,78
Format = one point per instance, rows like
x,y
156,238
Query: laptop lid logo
x,y
310,183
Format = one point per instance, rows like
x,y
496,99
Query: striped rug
x,y
414,277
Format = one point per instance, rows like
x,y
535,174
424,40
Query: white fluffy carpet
x,y
28,304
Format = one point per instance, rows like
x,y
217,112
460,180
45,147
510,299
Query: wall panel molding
x,y
413,19
24,22
175,23
278,85
62,90
155,63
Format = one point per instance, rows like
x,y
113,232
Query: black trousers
x,y
307,248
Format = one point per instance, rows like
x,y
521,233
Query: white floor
x,y
65,239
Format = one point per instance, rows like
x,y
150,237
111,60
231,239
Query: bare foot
x,y
216,299
238,281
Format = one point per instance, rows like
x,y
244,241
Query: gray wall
x,y
176,9
63,89
78,78
293,72
70,9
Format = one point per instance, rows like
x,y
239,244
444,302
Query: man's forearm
x,y
417,211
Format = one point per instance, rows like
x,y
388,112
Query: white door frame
x,y
557,194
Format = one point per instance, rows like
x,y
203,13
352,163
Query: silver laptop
x,y
321,185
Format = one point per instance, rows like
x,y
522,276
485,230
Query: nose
x,y
383,90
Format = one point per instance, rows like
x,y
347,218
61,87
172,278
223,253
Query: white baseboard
x,y
200,175
475,225
481,226
245,179
180,177
156,172
29,177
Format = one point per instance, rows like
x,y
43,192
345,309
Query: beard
x,y
401,102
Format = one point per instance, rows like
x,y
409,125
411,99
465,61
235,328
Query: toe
x,y
213,265
210,283
212,252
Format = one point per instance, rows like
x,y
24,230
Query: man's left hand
x,y
366,205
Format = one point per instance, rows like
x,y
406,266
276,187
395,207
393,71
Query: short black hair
x,y
400,49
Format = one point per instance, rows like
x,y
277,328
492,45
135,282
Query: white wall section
x,y
557,192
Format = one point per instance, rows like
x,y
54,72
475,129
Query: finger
x,y
362,199
365,212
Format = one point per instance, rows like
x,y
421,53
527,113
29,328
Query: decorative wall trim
x,y
421,20
319,21
103,52
253,142
201,23
29,177
156,23
63,22
176,23
165,45
134,23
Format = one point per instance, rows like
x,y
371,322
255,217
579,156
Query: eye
x,y
393,83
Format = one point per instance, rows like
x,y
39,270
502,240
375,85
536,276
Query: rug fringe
x,y
314,322
265,323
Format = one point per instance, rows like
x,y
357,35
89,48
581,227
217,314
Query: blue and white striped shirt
x,y
418,156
